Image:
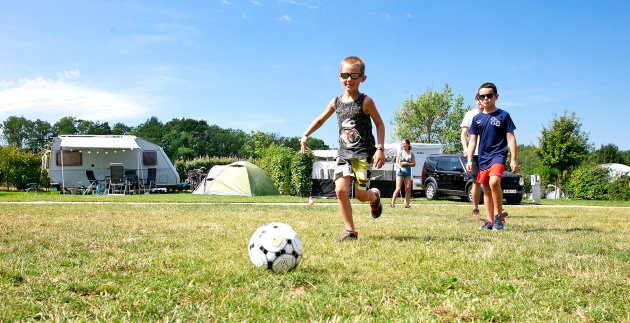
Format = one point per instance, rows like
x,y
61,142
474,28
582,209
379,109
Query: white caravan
x,y
72,156
383,178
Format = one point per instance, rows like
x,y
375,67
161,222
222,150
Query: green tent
x,y
239,178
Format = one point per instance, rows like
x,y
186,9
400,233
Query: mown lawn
x,y
149,262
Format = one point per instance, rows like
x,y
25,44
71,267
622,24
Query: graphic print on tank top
x,y
355,129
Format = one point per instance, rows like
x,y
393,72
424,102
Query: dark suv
x,y
446,175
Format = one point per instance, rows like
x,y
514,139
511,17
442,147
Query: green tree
x,y
65,126
294,143
151,130
434,117
607,154
563,145
121,129
39,136
226,142
186,133
258,142
16,130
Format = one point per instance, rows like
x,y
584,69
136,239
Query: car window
x,y
431,161
453,162
442,164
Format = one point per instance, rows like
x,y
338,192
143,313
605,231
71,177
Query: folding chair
x,y
117,181
92,180
132,180
149,182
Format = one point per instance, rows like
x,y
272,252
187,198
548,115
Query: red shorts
x,y
495,170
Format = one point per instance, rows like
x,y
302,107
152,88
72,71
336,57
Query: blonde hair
x,y
354,60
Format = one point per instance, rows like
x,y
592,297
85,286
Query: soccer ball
x,y
275,246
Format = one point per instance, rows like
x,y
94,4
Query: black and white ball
x,y
275,246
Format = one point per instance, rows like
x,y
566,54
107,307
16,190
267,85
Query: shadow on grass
x,y
433,238
560,230
540,216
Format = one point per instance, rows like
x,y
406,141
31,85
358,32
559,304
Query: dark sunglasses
x,y
485,96
354,76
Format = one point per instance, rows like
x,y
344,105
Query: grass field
x,y
188,261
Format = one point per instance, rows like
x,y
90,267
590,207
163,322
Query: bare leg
x,y
475,195
399,181
342,189
487,195
407,190
365,196
497,194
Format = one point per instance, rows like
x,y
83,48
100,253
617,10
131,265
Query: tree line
x,y
432,117
181,139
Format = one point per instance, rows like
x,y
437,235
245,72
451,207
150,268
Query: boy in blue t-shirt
x,y
495,130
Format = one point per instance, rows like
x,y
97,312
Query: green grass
x,y
149,262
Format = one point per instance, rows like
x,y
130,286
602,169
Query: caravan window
x,y
149,158
70,158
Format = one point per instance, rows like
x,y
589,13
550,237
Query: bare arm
x,y
512,146
370,108
316,124
463,137
413,161
471,151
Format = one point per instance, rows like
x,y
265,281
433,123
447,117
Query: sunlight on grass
x,y
154,262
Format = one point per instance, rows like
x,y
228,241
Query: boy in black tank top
x,y
358,151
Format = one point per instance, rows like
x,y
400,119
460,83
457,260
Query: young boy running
x,y
495,130
358,151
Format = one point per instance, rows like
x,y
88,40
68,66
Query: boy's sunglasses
x,y
485,96
354,76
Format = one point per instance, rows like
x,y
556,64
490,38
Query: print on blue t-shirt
x,y
492,129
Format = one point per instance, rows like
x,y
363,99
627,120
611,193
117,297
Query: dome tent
x,y
240,178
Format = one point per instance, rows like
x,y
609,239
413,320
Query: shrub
x,y
17,168
588,182
619,189
301,173
276,161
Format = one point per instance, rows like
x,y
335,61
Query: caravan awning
x,y
103,142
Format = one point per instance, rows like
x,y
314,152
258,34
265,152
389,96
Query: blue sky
x,y
272,65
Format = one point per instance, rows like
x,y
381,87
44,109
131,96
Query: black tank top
x,y
355,129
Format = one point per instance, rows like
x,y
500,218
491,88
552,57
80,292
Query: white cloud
x,y
284,18
256,2
52,99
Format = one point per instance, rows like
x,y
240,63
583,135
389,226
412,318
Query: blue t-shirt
x,y
491,130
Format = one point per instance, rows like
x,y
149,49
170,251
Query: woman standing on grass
x,y
404,160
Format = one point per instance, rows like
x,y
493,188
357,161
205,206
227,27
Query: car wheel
x,y
514,200
431,191
469,195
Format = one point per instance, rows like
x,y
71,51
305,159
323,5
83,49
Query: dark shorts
x,y
475,167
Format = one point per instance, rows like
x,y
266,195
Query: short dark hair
x,y
488,85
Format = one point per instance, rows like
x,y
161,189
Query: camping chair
x,y
117,181
93,182
149,182
132,179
